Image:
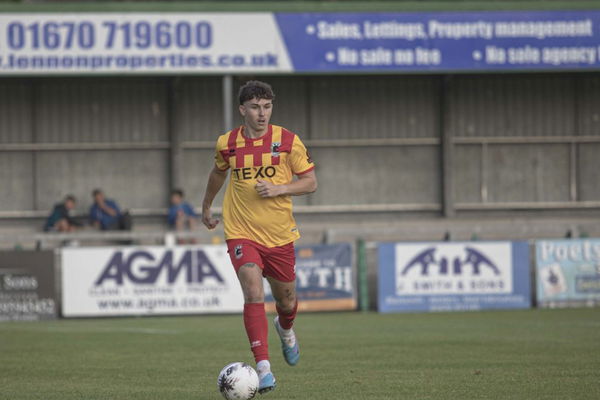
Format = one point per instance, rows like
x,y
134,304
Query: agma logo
x,y
144,267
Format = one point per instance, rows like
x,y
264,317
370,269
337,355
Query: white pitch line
x,y
147,331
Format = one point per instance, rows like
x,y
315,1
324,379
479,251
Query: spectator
x,y
60,220
181,214
105,214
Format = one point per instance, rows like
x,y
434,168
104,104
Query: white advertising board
x,y
111,281
141,43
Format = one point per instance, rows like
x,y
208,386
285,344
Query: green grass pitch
x,y
535,354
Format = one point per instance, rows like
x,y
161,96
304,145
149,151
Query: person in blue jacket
x,y
105,214
181,214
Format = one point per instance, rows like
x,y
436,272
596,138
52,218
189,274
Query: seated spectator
x,y
60,219
181,214
105,214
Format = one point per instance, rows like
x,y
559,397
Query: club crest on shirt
x,y
238,252
275,149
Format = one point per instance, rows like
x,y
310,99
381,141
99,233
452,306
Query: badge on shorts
x,y
238,252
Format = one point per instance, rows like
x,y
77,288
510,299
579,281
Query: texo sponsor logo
x,y
254,172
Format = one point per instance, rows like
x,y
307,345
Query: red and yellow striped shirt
x,y
275,157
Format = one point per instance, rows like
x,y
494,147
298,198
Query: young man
x,y
60,220
257,211
105,214
181,214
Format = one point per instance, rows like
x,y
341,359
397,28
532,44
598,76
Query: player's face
x,y
257,113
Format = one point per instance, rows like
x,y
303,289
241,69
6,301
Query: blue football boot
x,y
266,383
291,354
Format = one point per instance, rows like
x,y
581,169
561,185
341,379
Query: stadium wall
x,y
517,141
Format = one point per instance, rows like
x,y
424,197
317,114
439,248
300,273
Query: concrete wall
x,y
515,141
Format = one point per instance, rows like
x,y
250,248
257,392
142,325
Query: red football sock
x,y
255,321
287,320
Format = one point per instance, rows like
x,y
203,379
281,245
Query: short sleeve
x,y
300,160
219,160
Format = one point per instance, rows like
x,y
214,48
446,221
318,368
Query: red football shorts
x,y
277,262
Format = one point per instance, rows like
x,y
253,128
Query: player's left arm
x,y
305,184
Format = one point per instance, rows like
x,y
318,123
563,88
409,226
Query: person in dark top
x,y
60,220
105,214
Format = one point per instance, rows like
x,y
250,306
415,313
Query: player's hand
x,y
267,189
208,220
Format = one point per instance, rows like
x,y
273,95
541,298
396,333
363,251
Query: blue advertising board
x,y
173,43
568,272
324,279
446,41
453,276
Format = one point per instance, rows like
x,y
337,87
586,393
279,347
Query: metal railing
x,y
573,203
45,240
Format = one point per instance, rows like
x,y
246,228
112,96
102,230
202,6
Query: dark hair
x,y
178,192
255,89
96,191
70,197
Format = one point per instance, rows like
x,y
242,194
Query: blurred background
x,y
402,154
460,145
457,152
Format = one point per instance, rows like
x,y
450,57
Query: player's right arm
x,y
216,179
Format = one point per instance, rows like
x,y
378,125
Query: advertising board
x,y
453,276
177,43
27,285
107,281
568,272
324,279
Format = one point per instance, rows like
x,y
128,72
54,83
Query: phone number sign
x,y
67,35
173,43
139,43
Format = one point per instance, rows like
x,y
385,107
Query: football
x,y
238,381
